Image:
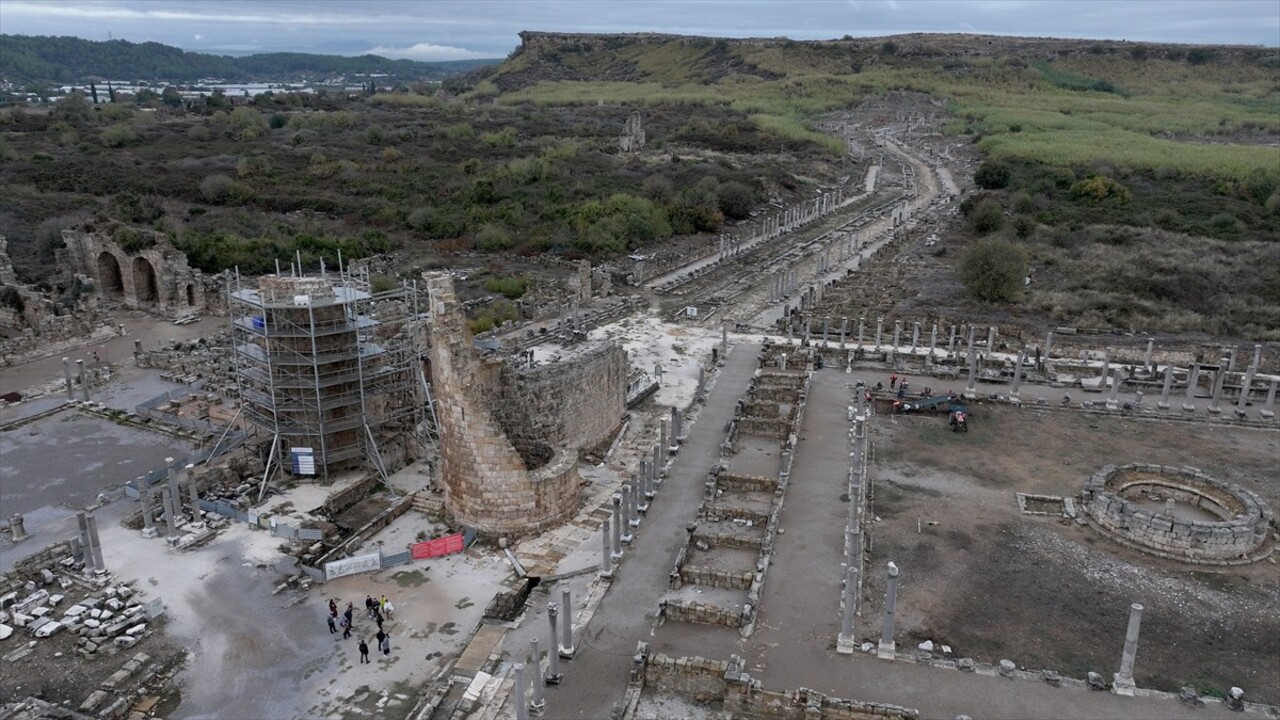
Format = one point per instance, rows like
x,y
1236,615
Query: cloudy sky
x,y
458,29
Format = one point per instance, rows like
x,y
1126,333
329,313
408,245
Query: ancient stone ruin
x,y
632,139
509,435
1178,512
146,273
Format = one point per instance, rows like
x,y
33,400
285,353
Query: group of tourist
x,y
379,610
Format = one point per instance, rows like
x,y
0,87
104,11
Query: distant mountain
x,y
25,58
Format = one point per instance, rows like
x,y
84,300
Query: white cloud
x,y
425,51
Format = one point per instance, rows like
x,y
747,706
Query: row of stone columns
x,y
632,501
530,676
730,247
79,377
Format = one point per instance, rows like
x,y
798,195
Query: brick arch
x,y
110,278
146,287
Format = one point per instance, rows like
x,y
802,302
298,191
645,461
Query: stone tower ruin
x,y
496,483
632,139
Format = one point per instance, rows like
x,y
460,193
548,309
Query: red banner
x,y
439,547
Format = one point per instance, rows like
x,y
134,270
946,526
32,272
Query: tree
x,y
736,200
993,269
247,122
987,217
992,175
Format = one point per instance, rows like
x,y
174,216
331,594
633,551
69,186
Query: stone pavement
x,y
596,678
794,642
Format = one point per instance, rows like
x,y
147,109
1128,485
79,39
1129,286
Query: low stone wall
x,y
701,613
725,683
706,577
727,540
764,427
1239,537
756,483
721,513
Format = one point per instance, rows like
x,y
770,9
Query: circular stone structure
x,y
1180,513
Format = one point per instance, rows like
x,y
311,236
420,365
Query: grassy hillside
x,y
1200,111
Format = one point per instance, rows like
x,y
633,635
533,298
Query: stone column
x,y
566,649
826,330
1146,357
951,342
1231,359
1112,401
538,703
606,559
933,340
844,643
879,331
84,381
991,340
148,513
82,520
662,436
724,340
1218,379
1048,346
1244,389
175,490
915,336
66,373
193,491
1164,390
646,480
1257,356
971,390
862,321
1123,684
626,535
616,552
1269,409
517,692
657,466
1193,379
553,676
844,329
17,528
1106,371
92,522
887,646
170,514
1017,377
897,334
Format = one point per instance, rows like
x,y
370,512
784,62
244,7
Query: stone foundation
x,y
726,685
145,272
1239,537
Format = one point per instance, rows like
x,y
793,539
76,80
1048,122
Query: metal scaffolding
x,y
324,362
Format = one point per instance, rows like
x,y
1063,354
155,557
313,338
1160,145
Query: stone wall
x,y
577,402
742,697
150,275
700,613
488,484
1240,536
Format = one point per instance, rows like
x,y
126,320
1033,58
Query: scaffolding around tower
x,y
328,367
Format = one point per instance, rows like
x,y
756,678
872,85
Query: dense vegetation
x,y
1138,186
33,60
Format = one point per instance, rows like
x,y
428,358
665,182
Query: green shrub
x,y
216,187
509,287
993,270
1100,188
118,135
736,200
491,238
987,217
992,175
